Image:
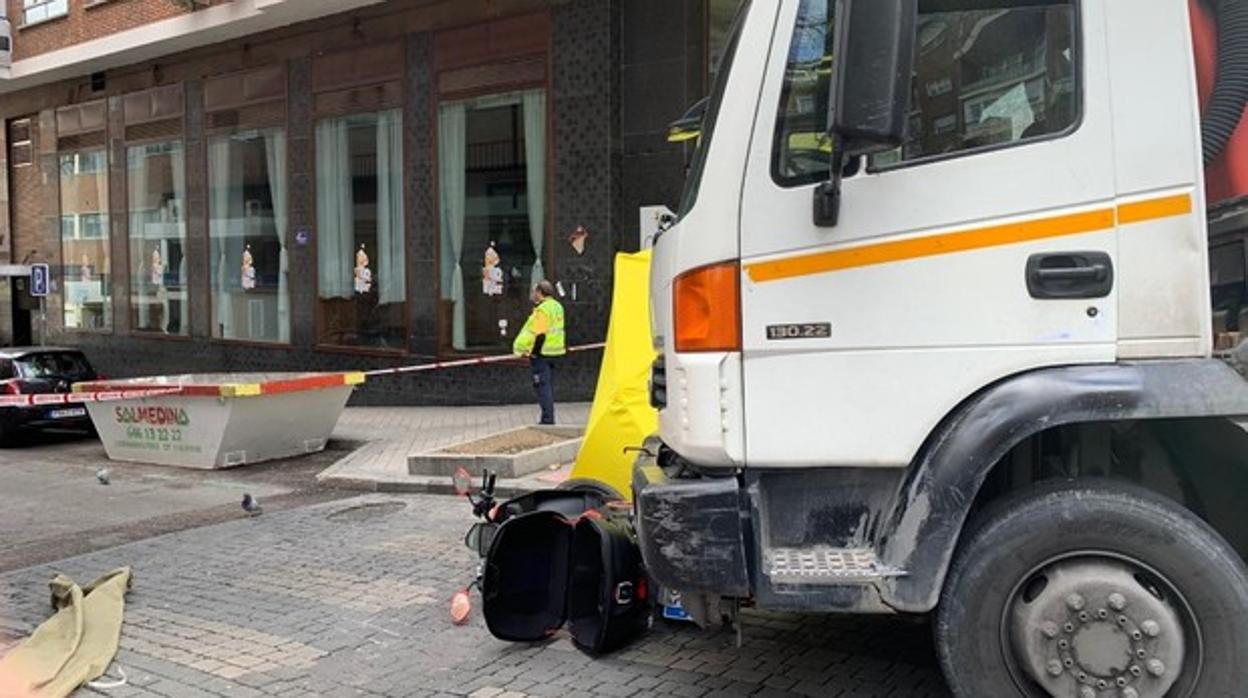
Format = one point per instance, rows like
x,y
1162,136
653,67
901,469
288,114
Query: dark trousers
x,y
543,383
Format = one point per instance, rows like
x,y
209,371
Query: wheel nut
x,y
1055,667
1075,602
1117,601
1130,692
1141,654
1102,614
1063,644
1070,627
1156,668
1084,617
1102,684
1121,681
1049,629
1136,671
1150,628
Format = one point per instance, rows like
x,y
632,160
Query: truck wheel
x,y
1088,589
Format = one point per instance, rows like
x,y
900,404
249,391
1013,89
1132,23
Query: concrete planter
x,y
442,463
221,420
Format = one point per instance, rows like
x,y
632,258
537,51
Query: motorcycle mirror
x,y
462,481
461,607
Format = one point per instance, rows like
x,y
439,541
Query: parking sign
x,y
39,280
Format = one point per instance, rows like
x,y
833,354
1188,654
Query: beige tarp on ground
x,y
75,645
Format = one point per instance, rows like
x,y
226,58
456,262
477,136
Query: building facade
x,y
290,185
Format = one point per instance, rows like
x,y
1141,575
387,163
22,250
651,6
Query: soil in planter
x,y
511,443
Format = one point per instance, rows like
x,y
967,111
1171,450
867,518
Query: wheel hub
x,y
1094,628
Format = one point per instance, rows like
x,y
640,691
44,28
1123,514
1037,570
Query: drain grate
x,y
366,512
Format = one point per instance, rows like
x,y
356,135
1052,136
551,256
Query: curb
x,y
504,489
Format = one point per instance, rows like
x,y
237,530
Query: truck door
x,y
983,247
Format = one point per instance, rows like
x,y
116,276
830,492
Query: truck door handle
x,y
1069,275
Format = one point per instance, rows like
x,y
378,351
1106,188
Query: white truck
x,y
937,336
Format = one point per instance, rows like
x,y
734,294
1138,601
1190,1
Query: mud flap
x,y
566,558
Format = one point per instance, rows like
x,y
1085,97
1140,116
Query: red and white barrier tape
x,y
42,399
439,365
45,399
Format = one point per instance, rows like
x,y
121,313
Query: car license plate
x,y
69,413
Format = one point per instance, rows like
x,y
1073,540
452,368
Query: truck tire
x,y
1093,588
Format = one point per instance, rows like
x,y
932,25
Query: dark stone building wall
x,y
662,72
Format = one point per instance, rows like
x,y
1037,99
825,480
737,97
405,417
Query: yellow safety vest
x,y
555,344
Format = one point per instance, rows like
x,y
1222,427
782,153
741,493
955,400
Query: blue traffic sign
x,y
39,280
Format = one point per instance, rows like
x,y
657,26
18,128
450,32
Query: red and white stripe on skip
x,y
41,399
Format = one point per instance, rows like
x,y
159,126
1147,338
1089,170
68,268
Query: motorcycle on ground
x,y
553,558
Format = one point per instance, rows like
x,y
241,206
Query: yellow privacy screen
x,y
621,416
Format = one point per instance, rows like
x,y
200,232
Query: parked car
x,y
42,370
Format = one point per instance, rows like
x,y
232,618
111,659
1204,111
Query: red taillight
x,y
706,306
12,387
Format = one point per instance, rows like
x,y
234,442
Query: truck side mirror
x,y
870,97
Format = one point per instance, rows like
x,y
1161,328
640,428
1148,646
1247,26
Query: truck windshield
x,y
694,180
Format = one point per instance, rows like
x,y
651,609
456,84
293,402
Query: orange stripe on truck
x,y
1154,208
968,240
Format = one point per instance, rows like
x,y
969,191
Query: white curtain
x,y
226,174
334,214
391,276
275,152
535,165
140,217
177,162
452,157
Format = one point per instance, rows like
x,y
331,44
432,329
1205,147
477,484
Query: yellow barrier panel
x,y
621,415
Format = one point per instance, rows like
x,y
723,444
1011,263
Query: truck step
x,y
822,565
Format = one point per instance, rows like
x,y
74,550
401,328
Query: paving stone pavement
x,y
351,598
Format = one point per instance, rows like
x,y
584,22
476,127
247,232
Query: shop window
x,y
248,219
156,186
492,172
36,11
85,240
361,282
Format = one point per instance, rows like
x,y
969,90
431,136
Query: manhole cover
x,y
366,512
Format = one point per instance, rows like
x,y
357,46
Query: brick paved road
x,y
350,598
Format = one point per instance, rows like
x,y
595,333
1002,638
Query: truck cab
x,y
936,335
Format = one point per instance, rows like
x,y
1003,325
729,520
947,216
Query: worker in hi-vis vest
x,y
542,340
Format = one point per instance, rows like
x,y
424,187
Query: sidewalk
x,y
388,435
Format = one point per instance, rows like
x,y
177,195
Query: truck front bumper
x,y
692,531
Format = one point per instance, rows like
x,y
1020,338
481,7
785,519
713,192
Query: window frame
x,y
869,165
131,326
206,247
27,5
777,137
1078,102
110,327
318,320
